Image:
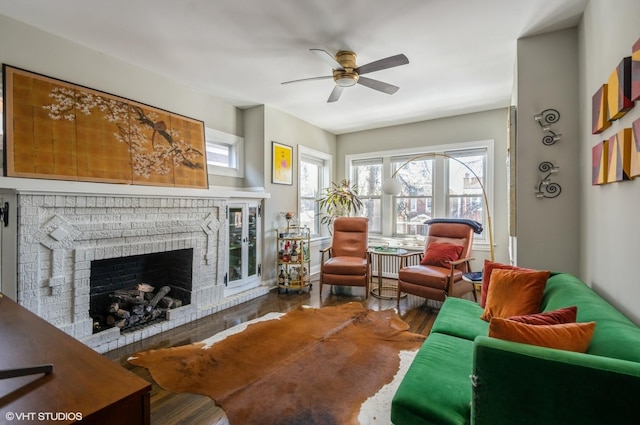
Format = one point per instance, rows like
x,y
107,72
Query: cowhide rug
x,y
309,366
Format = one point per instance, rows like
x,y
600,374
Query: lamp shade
x,y
391,186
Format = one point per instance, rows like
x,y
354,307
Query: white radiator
x,y
390,264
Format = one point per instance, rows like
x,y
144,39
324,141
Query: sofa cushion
x,y
489,266
514,292
440,254
554,317
436,388
565,336
461,318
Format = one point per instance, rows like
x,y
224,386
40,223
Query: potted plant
x,y
339,200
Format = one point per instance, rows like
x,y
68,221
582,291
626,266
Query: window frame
x,y
236,144
440,189
325,161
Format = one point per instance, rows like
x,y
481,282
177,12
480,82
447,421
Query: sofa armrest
x,y
525,384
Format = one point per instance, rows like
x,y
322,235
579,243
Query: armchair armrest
x,y
404,258
461,261
530,385
325,252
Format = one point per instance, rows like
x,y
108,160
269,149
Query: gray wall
x,y
548,230
609,225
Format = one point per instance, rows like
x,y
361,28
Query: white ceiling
x,y
461,53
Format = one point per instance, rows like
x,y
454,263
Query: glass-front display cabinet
x,y
244,244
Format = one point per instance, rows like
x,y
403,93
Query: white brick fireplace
x,y
60,234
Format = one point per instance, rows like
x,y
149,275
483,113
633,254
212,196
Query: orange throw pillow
x,y
514,292
566,336
489,266
439,254
555,317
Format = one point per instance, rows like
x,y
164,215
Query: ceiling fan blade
x,y
325,77
327,57
335,94
381,64
378,85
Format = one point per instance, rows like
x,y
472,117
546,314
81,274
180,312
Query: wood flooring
x,y
169,408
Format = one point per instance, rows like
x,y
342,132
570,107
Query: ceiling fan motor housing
x,y
347,76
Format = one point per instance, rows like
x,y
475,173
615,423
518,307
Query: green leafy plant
x,y
339,200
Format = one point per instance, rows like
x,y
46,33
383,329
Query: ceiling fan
x,y
346,73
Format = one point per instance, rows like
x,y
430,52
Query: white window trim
x,y
326,176
387,200
230,139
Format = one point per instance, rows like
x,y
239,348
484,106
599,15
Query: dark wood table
x,y
83,386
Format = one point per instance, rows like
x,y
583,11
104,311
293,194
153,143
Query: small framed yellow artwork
x,y
281,163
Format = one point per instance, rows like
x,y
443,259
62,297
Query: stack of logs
x,y
131,307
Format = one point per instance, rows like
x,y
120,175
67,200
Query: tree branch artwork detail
x,y
74,133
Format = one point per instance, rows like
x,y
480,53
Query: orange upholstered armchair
x,y
445,259
347,262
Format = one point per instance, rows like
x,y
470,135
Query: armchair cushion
x,y
440,254
514,292
345,266
433,276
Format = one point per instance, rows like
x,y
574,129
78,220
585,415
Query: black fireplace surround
x,y
171,268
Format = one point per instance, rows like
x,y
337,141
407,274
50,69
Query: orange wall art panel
x,y
599,117
635,71
59,130
635,148
619,93
619,156
599,163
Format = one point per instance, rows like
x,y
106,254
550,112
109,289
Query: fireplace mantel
x,y
43,186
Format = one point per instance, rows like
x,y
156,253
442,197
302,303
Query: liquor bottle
x,y
281,277
294,252
305,252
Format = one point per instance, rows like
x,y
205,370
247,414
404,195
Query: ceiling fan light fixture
x,y
345,77
346,81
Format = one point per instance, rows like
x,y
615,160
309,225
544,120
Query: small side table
x,y
476,279
388,291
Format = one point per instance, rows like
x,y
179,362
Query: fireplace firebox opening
x,y
135,291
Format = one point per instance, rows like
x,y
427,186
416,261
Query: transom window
x,y
225,153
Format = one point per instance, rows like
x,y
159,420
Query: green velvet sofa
x,y
461,376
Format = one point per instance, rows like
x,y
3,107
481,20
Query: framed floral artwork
x,y
281,163
59,130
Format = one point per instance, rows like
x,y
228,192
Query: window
x,y
464,198
367,176
225,153
414,204
314,175
440,185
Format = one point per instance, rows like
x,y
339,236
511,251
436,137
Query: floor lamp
x,y
392,186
